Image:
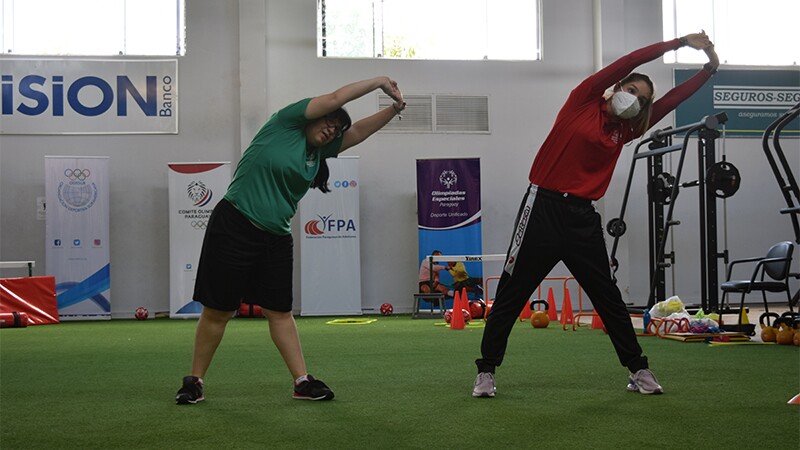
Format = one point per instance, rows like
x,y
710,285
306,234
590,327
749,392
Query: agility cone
x,y
566,310
551,305
794,400
597,322
743,318
526,312
457,318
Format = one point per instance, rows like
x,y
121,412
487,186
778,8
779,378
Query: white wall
x,y
245,60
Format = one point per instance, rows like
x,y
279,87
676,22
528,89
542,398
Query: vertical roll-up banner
x,y
449,211
330,232
194,190
76,235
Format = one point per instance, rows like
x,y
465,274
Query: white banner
x,y
88,96
194,190
76,236
329,247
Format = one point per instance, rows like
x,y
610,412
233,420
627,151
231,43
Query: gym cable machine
x,y
716,179
783,175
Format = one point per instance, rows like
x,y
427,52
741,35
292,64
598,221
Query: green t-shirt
x,y
275,171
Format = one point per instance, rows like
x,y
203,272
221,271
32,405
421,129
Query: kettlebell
x,y
785,335
768,333
540,319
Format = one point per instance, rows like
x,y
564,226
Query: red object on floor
x,y
248,310
551,306
567,317
34,296
13,320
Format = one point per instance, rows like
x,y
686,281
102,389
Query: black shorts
x,y
242,263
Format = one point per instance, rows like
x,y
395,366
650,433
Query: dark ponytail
x,y
321,180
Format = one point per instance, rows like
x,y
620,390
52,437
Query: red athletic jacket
x,y
579,154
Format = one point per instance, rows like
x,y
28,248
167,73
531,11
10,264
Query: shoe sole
x,y
482,394
635,388
303,397
185,401
653,392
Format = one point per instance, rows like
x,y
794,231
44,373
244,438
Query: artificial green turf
x,y
399,383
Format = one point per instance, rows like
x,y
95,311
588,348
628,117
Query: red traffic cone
x,y
566,309
597,322
457,319
552,314
526,312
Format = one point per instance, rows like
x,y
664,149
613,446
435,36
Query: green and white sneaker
x,y
484,385
644,382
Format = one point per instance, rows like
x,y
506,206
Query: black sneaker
x,y
191,392
312,389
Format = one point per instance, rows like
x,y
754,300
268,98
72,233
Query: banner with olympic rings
x,y
194,190
330,252
77,235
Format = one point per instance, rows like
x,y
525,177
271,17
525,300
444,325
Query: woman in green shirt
x,y
247,249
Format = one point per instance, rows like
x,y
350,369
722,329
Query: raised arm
x,y
327,103
680,93
619,69
367,126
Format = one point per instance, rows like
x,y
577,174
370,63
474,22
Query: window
x,y
429,29
744,32
92,27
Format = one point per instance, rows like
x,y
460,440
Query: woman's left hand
x,y
698,41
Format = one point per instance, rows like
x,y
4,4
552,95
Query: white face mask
x,y
625,105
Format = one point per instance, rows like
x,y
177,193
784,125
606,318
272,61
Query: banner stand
x,y
329,244
77,235
194,190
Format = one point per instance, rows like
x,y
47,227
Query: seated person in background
x,y
461,278
428,284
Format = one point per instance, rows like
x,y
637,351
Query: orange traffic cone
x,y
526,312
465,302
457,317
551,305
566,309
597,322
794,400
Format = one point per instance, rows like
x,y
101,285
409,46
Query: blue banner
x,y
449,211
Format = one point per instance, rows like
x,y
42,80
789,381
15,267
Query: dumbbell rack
x,y
661,206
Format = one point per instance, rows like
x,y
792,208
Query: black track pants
x,y
551,227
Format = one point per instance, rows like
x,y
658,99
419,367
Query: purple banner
x,y
448,193
449,209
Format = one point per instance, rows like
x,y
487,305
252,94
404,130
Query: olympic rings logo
x,y
77,174
199,224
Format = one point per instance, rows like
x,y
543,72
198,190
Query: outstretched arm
x,y
678,94
619,69
367,126
327,103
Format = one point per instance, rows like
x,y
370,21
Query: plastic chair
x,y
775,264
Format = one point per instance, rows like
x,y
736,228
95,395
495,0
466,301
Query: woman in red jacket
x,y
557,221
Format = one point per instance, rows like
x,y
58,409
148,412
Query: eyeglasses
x,y
338,128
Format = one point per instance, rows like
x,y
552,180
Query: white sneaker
x,y
643,381
484,385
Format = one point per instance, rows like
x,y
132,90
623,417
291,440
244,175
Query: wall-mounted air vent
x,y
440,113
